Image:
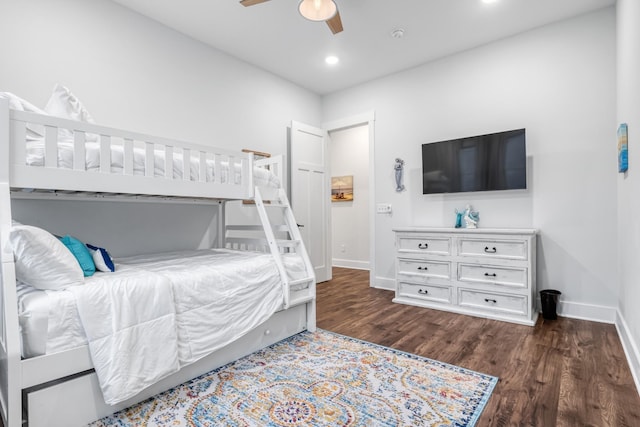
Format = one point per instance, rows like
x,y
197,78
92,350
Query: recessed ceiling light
x,y
331,60
489,1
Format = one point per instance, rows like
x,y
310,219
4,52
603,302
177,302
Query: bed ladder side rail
x,y
294,231
294,242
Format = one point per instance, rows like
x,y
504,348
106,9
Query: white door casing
x,y
311,194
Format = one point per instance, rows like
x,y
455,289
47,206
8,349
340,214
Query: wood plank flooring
x,y
564,372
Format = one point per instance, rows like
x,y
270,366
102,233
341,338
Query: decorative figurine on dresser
x,y
467,218
481,272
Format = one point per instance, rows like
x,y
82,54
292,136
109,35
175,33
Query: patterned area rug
x,y
320,379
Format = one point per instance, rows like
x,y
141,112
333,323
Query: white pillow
x,y
65,104
42,261
34,132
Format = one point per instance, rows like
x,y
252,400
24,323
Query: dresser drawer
x,y
509,249
512,277
425,292
424,268
512,304
424,244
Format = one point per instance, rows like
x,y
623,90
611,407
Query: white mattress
x,y
35,157
232,282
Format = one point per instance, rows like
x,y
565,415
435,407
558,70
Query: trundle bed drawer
x,y
424,244
512,304
424,268
425,292
510,249
504,276
77,400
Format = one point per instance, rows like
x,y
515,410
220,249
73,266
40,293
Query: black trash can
x,y
549,299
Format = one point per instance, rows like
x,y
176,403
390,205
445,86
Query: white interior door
x,y
311,194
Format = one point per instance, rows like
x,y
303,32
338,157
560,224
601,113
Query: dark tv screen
x,y
496,161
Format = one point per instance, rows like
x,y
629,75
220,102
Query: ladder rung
x,y
247,241
288,243
301,281
244,227
275,205
279,227
301,300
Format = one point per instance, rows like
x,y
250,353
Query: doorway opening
x,y
351,153
349,158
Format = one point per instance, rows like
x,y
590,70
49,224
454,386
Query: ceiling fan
x,y
314,10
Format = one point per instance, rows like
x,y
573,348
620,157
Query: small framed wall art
x,y
342,188
623,149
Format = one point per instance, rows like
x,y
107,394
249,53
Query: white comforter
x,y
158,313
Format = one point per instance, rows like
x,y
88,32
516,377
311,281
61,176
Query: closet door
x,y
311,194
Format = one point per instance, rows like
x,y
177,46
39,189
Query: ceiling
x,y
274,37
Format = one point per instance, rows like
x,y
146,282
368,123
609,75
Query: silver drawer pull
x,y
490,275
490,251
423,245
490,300
423,268
420,291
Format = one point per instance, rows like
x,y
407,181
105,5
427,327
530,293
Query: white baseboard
x,y
591,312
347,263
630,348
384,283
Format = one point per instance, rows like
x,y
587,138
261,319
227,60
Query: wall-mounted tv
x,y
496,161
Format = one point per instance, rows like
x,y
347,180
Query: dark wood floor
x,y
564,372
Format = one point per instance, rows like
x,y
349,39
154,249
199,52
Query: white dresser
x,y
481,272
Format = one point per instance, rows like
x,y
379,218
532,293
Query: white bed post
x,y
10,379
221,237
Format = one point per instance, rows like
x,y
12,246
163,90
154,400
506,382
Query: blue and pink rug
x,y
320,379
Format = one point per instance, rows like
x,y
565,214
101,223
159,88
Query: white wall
x,y
133,73
628,111
349,150
558,82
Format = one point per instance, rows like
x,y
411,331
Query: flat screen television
x,y
496,161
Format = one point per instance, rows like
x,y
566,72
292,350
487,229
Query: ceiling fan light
x,y
318,10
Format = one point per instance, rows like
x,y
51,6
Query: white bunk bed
x,y
101,163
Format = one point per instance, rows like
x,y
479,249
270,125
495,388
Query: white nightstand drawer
x,y
513,304
504,276
511,249
426,268
428,245
425,292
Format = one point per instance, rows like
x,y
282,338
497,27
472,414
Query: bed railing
x,y
147,164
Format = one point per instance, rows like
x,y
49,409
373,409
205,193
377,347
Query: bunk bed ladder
x,y
294,242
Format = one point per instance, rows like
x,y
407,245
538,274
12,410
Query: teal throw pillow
x,y
82,254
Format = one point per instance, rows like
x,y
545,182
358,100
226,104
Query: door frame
x,y
368,119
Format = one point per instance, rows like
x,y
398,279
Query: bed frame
x,y
61,389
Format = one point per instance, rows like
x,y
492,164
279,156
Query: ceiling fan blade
x,y
251,2
335,23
